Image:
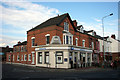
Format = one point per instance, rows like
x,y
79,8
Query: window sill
x,y
65,30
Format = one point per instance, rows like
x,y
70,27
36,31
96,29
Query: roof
x,y
52,21
88,31
23,43
78,27
99,37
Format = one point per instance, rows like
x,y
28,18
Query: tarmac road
x,y
21,72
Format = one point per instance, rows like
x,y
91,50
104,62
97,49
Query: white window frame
x,y
76,41
21,48
46,58
32,41
82,43
25,57
64,39
22,57
9,57
46,38
29,57
59,55
40,57
92,45
67,26
18,57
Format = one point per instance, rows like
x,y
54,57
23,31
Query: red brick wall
x,y
53,30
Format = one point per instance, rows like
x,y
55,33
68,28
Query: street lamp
x,y
103,35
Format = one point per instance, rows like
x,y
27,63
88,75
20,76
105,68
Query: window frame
x,y
65,39
46,55
76,41
66,26
9,57
92,44
32,41
18,57
83,45
25,57
59,55
22,57
47,41
29,57
40,56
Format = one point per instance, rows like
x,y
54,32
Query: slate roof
x,y
52,21
88,31
23,43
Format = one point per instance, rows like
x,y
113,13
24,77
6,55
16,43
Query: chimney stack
x,y
19,42
75,23
113,36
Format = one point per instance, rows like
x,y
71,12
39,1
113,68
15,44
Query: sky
x,y
18,17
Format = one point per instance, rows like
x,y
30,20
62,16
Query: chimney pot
x,y
75,23
113,36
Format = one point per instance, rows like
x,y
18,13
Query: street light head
x,y
111,14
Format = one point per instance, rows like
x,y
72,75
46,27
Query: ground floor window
x,y
13,57
18,58
9,57
21,57
29,57
46,57
59,57
40,57
25,57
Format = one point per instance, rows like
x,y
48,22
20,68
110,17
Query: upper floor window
x,y
25,49
47,39
15,49
33,41
92,45
21,48
83,43
66,26
76,41
67,39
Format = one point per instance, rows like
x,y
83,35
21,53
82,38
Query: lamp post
x,y
103,36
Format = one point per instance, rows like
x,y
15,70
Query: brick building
x,y
59,43
19,54
3,52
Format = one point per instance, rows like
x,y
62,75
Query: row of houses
x,y
60,43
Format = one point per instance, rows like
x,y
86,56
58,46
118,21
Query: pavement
x,y
21,72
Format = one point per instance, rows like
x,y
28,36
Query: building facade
x,y
60,43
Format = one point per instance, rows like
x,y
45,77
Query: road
x,y
21,72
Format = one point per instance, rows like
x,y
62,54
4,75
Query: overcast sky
x,y
19,17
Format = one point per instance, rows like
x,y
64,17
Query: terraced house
x,y
58,43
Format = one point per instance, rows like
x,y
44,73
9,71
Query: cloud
x,y
3,44
98,20
20,17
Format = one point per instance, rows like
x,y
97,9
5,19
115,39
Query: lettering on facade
x,y
55,40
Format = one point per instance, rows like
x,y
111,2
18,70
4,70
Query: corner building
x,y
60,43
